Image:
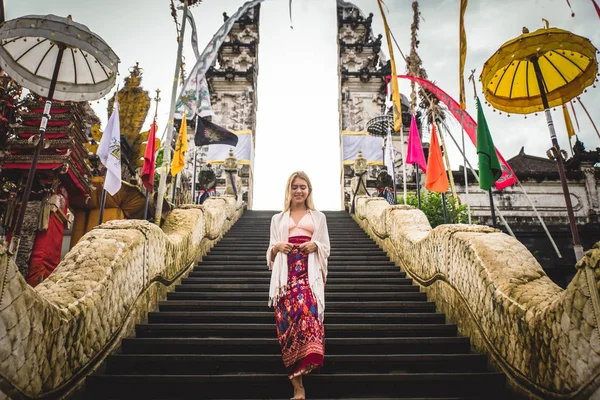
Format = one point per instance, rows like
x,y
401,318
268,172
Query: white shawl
x,y
317,261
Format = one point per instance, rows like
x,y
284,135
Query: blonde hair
x,y
288,192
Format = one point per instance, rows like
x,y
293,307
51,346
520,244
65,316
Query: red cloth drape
x,y
46,251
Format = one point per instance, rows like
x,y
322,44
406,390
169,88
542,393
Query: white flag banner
x,y
371,147
219,152
109,152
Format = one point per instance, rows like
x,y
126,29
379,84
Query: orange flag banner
x,y
437,179
397,105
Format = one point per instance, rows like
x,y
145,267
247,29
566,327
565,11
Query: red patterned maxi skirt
x,y
301,334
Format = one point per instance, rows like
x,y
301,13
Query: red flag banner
x,y
149,159
508,177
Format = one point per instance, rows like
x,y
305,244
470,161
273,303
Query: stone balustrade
x,y
52,336
546,339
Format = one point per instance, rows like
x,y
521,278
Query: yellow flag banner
x,y
180,149
568,123
463,54
397,106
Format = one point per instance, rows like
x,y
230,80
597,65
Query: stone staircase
x,y
215,338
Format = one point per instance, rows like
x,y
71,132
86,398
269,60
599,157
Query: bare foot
x,y
299,394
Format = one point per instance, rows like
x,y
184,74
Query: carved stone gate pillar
x,y
591,188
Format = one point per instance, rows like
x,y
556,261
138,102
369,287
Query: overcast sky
x,y
298,120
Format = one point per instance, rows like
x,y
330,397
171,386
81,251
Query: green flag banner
x,y
489,165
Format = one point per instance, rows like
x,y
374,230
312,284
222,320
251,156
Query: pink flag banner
x,y
508,177
415,153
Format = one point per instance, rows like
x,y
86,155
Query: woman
x,y
297,258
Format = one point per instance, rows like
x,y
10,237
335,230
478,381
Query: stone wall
x,y
546,339
52,336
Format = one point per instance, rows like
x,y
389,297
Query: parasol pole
x,y
162,186
16,235
577,248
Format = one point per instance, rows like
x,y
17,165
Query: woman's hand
x,y
308,247
283,247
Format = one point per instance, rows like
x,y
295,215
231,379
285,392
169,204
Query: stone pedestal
x,y
233,183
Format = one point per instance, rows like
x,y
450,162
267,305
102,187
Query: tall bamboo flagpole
x,y
103,198
156,100
463,104
162,186
396,102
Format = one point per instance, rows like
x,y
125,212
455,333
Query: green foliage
x,y
431,205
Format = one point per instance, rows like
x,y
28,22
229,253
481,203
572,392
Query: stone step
x,y
125,386
335,346
205,364
332,306
215,337
360,276
331,287
268,330
265,280
267,317
335,296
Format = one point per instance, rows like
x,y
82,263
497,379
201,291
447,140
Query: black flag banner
x,y
208,133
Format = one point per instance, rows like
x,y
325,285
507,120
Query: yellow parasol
x,y
567,65
536,71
